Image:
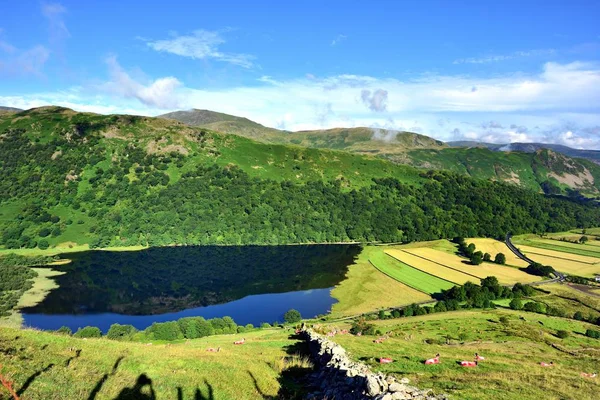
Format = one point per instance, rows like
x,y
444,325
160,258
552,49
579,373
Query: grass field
x,y
430,267
42,284
506,275
513,352
549,244
563,265
494,247
570,300
46,366
560,253
366,289
408,275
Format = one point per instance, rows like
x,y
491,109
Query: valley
x,y
134,239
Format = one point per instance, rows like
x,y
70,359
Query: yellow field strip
x,y
570,267
559,254
589,247
494,247
506,275
431,268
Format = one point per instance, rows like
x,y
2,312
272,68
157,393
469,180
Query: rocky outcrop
x,y
338,377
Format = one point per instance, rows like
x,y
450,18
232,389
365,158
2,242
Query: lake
x,y
251,284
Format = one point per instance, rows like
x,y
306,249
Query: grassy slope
x,y
513,353
350,139
526,169
266,161
366,289
408,275
46,366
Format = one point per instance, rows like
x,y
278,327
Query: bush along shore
x,y
183,328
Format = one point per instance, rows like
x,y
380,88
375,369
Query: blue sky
x,y
476,70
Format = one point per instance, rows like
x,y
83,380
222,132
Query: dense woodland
x,y
142,198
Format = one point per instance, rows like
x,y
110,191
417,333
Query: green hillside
x,y
358,140
120,180
543,169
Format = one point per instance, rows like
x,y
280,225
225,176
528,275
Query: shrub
x,y
64,330
165,331
578,316
396,314
487,257
292,316
504,320
230,325
562,334
43,244
539,269
44,232
249,326
88,332
218,325
477,258
462,336
516,304
534,306
500,259
241,329
592,333
265,325
523,290
361,326
120,332
381,314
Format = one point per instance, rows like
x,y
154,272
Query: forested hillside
x,y
539,169
123,180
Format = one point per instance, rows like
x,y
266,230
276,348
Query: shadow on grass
x,y
32,378
68,361
136,392
98,386
198,395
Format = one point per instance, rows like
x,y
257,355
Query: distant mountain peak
x,y
357,139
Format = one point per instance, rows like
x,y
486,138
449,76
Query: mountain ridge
x,y
531,147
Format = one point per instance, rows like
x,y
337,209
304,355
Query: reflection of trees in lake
x,y
169,279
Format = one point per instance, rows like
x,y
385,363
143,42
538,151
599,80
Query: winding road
x,y
560,277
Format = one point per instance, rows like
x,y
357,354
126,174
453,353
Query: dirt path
x,y
583,288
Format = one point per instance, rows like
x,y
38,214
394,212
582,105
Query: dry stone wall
x,y
338,377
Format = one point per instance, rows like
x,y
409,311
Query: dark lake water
x,y
251,284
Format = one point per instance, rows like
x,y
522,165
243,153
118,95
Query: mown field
x,y
494,247
406,257
366,288
457,269
408,275
558,245
512,351
571,258
506,275
48,366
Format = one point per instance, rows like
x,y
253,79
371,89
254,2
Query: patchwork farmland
x,y
568,257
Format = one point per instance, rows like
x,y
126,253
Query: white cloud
x,y
201,45
504,57
376,101
23,62
160,93
338,39
54,13
540,107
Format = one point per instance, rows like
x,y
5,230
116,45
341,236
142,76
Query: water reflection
x,y
168,280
